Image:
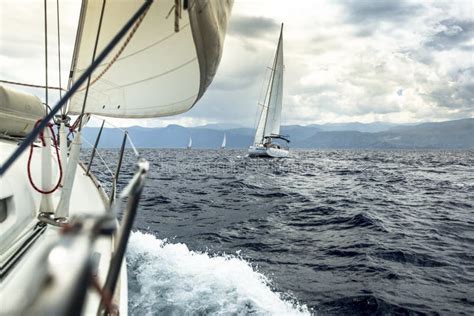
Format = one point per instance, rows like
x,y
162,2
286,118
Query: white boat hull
x,y
268,152
87,198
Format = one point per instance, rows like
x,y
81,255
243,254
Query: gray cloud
x,y
460,96
363,11
241,78
453,34
251,26
367,15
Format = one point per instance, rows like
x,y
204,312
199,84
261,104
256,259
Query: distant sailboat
x,y
224,141
190,143
268,128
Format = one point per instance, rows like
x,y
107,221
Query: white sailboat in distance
x,y
190,143
224,142
268,142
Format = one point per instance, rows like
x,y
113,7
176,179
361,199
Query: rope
x,y
122,48
30,85
74,125
55,143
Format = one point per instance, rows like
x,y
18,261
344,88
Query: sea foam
x,y
169,279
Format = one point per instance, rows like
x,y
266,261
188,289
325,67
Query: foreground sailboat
x,y
62,249
268,142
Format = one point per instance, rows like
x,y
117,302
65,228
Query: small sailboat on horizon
x,y
190,143
268,141
224,142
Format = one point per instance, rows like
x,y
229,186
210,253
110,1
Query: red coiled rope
x,y
55,143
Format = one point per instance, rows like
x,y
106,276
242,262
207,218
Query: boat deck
x,y
24,203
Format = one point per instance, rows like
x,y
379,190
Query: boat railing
x,y
95,152
57,293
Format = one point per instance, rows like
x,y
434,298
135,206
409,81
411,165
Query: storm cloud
x,y
250,26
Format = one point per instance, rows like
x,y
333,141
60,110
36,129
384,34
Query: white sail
x,y
190,143
224,141
261,125
273,122
158,72
270,116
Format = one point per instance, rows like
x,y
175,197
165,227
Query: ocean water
x,y
322,232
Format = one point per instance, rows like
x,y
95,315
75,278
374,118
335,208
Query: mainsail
x,y
155,71
270,117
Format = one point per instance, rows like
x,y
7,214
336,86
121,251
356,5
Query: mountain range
x,y
457,134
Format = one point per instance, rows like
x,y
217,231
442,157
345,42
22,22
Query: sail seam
x,y
142,49
152,77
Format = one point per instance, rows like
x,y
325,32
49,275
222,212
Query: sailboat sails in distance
x,y
268,142
224,142
190,143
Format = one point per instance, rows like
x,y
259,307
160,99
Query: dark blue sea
x,y
326,232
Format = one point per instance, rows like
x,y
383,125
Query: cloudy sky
x,y
347,60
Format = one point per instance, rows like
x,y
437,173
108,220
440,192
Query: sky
x,y
395,61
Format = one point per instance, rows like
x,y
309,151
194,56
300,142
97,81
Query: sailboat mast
x,y
271,81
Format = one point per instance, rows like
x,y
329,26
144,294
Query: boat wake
x,y
167,278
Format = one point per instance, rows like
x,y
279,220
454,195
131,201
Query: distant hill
x,y
374,127
440,135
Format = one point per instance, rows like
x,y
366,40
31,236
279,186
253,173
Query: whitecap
x,y
169,279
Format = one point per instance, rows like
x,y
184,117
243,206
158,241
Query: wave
x,y
168,278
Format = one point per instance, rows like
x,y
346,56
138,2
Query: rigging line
x,y
122,48
46,51
128,136
133,145
93,58
99,155
59,52
114,126
31,85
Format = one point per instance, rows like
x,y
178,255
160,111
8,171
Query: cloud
x,y
364,11
252,26
452,35
369,15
